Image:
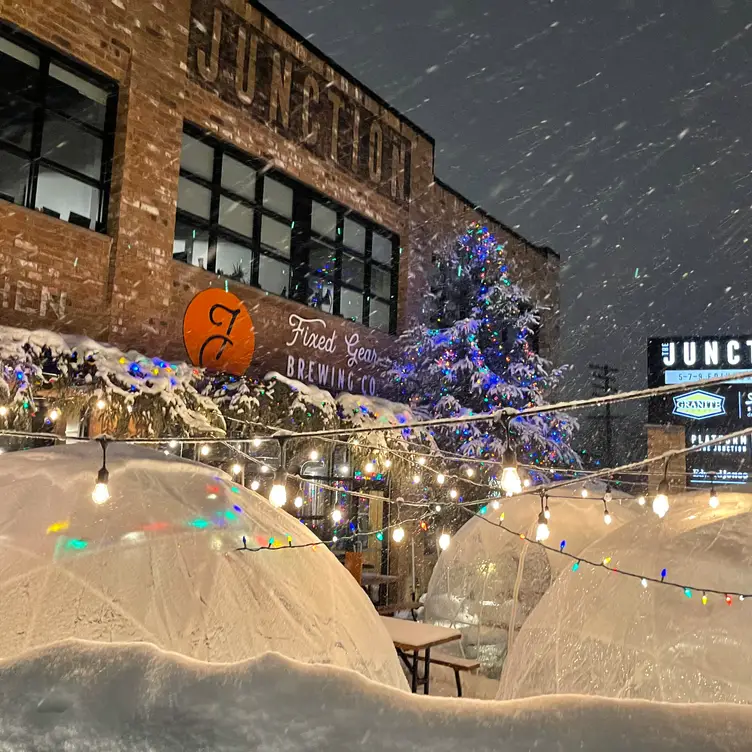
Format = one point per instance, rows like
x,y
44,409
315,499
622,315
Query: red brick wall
x,y
131,299
52,275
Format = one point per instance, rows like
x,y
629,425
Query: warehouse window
x,y
56,133
241,220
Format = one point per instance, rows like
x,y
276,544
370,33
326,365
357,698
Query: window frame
x,y
42,111
302,237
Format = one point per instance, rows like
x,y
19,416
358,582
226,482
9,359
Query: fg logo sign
x,y
699,405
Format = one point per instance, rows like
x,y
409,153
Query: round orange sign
x,y
218,332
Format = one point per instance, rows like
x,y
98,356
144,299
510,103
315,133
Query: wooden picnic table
x,y
371,579
416,637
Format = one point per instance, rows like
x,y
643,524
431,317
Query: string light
x,y
453,493
298,501
54,414
205,450
101,492
369,468
278,494
469,472
336,515
606,513
398,534
173,444
256,443
101,404
660,502
265,469
314,455
3,411
344,470
584,493
421,460
510,478
444,541
541,531
387,463
416,478
644,582
255,485
641,500
237,469
437,508
440,478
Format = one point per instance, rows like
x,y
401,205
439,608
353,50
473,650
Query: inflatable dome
x,y
159,563
488,581
598,633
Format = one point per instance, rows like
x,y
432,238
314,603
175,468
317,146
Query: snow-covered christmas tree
x,y
477,352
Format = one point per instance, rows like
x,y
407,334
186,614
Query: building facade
x,y
151,150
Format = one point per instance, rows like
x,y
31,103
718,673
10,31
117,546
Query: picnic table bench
x,y
410,638
394,608
457,664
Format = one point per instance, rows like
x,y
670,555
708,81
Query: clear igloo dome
x,y
598,633
158,563
488,581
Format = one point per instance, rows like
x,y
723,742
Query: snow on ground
x,y
87,697
159,563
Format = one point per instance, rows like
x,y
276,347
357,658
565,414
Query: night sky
x,y
616,132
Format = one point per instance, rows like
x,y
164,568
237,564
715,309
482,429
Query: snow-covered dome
x,y
489,580
158,563
598,633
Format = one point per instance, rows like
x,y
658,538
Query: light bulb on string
x,y
369,468
101,404
416,479
510,477
584,493
255,485
237,468
444,541
660,502
437,508
265,469
546,510
256,443
54,414
641,500
278,494
205,450
344,470
608,496
606,514
440,478
644,582
387,463
398,534
421,460
469,472
314,455
298,501
173,444
495,504
453,493
713,498
101,492
3,411
541,531
336,515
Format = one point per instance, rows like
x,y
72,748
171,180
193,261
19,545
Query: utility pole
x,y
603,384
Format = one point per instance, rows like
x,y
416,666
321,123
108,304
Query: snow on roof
x,y
126,697
159,563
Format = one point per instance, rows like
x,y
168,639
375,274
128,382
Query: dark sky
x,y
617,131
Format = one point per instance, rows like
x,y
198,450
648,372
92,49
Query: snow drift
x,y
159,563
111,698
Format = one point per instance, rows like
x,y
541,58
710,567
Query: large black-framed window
x,y
57,123
257,226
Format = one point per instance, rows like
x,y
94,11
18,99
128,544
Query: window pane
x,y
18,70
355,236
14,173
277,197
324,220
16,120
352,271
75,96
351,305
234,261
193,198
378,317
72,147
321,261
274,276
381,282
235,216
191,245
320,293
275,236
238,178
381,249
62,196
197,157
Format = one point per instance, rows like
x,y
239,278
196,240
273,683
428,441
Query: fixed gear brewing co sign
x,y
218,332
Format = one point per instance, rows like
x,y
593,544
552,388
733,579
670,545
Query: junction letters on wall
x,y
230,55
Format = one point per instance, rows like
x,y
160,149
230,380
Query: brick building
x,y
292,184
150,150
